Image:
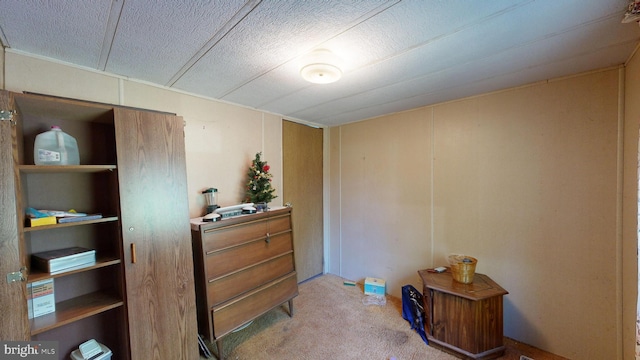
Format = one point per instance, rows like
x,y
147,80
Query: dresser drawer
x,y
239,311
223,262
220,238
226,287
279,224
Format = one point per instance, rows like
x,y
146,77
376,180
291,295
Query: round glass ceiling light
x,y
321,67
321,73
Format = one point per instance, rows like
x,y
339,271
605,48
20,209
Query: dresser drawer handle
x,y
268,238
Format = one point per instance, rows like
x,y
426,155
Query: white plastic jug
x,y
55,147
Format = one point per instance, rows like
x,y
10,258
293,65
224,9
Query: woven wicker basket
x,y
463,268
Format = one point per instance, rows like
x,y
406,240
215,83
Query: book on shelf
x,y
61,260
47,220
40,298
68,219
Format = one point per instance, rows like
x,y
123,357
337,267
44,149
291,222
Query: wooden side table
x,y
464,318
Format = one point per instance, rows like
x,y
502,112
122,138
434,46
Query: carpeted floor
x,y
331,321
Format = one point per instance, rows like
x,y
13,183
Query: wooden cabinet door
x,y
13,301
156,235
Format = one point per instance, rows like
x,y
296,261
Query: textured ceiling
x,y
396,55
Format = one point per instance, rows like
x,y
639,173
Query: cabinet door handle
x,y
133,253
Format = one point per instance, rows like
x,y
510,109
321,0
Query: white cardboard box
x,y
374,286
40,298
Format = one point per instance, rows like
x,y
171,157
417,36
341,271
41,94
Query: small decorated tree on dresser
x,y
259,189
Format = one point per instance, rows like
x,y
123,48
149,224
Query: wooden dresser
x,y
464,318
244,267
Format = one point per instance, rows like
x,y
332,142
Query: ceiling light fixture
x,y
321,67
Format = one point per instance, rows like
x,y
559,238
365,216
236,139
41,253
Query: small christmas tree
x,y
259,182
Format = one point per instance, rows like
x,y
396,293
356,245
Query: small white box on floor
x,y
91,350
374,286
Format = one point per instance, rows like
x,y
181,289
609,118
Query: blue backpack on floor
x,y
413,310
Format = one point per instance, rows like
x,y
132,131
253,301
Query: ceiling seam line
x,y
3,38
217,37
455,31
110,33
471,25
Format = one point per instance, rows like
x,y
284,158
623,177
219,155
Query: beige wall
x,y
525,180
629,248
221,139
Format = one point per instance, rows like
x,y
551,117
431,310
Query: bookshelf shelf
x,y
100,263
43,169
77,223
75,309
